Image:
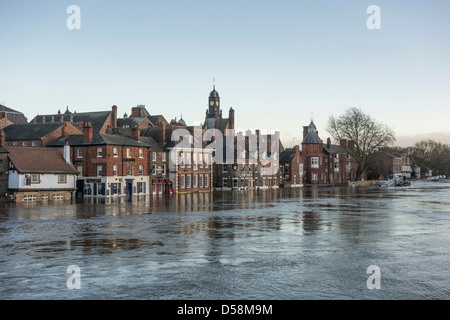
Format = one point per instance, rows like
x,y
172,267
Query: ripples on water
x,y
305,243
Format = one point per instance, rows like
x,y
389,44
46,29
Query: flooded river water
x,y
304,243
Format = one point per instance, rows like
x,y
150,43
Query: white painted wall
x,y
47,181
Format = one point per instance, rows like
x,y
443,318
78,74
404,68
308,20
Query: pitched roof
x,y
123,139
13,115
335,149
312,137
50,160
29,131
287,155
97,118
130,122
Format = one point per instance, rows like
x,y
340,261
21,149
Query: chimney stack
x,y
136,133
67,152
351,144
88,132
231,118
64,130
328,142
305,131
2,138
162,134
343,143
114,117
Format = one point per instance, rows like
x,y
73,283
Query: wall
x,y
48,181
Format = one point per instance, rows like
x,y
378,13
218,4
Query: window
x,y
79,152
115,170
206,180
200,160
141,170
200,181
99,152
34,144
188,159
182,182
29,197
80,170
114,188
224,182
336,164
24,144
35,178
182,159
188,181
99,171
58,196
164,170
314,176
140,187
128,170
141,153
44,197
154,156
15,143
315,163
115,152
62,178
163,156
206,160
243,168
225,168
154,169
128,153
195,181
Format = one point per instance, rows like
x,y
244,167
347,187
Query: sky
x,y
277,63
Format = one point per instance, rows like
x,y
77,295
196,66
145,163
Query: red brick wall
x,y
108,160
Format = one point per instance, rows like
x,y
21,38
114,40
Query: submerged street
x,y
303,243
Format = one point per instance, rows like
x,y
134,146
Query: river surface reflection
x,y
304,243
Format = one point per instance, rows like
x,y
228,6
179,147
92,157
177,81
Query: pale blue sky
x,y
275,62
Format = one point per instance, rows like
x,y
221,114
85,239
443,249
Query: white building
x,y
40,174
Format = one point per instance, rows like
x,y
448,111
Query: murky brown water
x,y
307,243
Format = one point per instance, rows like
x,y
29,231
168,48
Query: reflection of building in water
x,y
194,202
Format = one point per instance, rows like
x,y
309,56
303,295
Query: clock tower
x,y
213,103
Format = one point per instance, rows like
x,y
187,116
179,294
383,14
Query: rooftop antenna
x,y
312,117
214,83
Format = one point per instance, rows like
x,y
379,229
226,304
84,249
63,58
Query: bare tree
x,y
367,134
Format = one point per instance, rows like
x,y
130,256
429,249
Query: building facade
x,y
53,177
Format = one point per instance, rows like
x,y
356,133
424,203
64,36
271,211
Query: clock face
x,y
211,103
234,166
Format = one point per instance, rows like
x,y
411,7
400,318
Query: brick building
x,y
120,164
37,134
291,166
326,163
